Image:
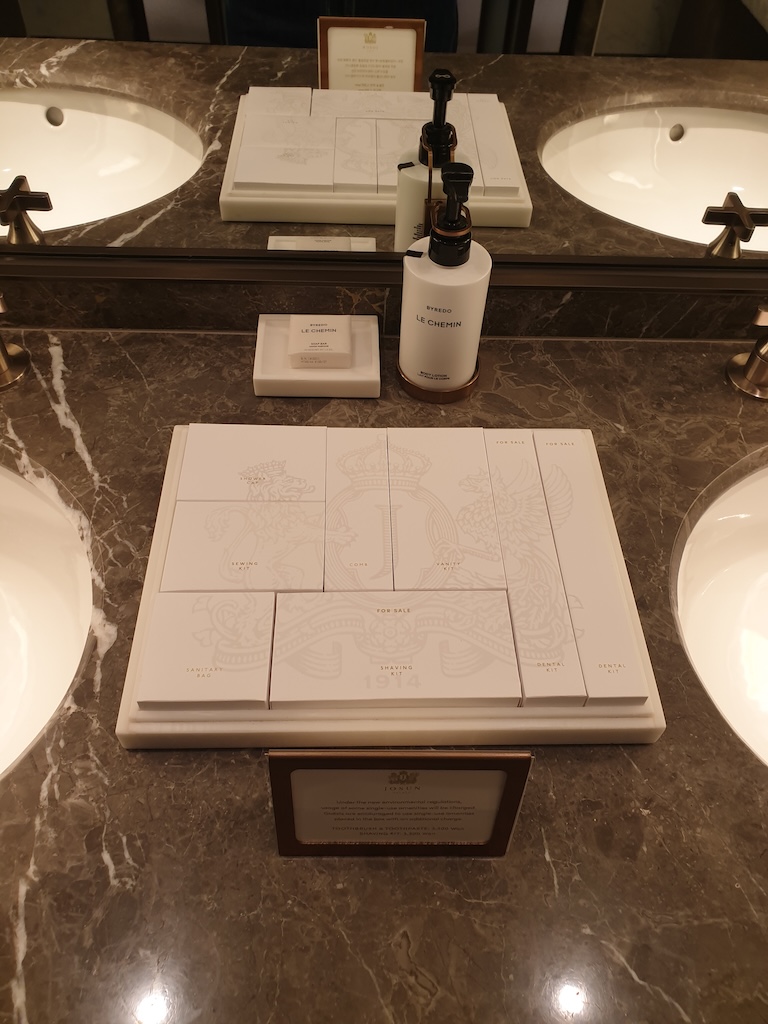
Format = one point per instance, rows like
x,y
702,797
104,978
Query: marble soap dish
x,y
273,375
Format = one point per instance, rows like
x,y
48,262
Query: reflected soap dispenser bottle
x,y
416,170
445,286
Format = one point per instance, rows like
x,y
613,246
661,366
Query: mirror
x,y
200,85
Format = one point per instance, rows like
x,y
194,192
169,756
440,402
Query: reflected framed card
x,y
376,54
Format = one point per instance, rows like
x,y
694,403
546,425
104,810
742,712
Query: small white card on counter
x,y
207,651
319,341
252,462
246,545
323,243
384,649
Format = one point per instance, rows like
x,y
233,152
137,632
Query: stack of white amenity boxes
x,y
312,583
332,155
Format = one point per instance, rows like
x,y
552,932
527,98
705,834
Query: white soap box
x,y
274,375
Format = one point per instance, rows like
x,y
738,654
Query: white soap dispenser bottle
x,y
445,286
415,172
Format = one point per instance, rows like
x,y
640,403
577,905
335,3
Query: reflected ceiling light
x,y
571,999
153,1009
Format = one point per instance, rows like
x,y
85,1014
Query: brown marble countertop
x,y
636,884
201,85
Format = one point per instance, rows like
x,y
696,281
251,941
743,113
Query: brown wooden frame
x,y
417,25
516,765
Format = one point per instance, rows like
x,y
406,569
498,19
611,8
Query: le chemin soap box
x,y
324,342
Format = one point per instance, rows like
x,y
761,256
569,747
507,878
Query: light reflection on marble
x,y
139,884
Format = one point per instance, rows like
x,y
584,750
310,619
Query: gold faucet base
x,y
740,371
14,363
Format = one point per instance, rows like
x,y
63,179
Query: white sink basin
x,y
661,167
45,611
106,156
720,595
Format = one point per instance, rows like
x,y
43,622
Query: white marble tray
x,y
162,725
283,197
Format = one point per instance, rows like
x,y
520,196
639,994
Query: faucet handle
x,y
19,197
761,316
739,223
15,201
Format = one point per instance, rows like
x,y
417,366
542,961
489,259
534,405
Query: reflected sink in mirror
x,y
661,167
719,592
95,155
46,604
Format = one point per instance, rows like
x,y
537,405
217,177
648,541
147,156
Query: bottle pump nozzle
x,y
451,235
438,138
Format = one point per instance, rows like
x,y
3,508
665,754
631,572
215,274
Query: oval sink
x,y
719,590
95,155
661,167
46,602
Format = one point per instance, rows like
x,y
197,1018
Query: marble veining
x,y
146,885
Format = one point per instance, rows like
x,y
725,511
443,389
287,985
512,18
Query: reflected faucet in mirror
x,y
739,223
15,202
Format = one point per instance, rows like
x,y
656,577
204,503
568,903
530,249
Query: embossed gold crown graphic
x,y
370,37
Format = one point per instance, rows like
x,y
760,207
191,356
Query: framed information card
x,y
457,803
371,53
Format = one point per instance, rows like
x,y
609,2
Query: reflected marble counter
x,y
142,887
201,86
